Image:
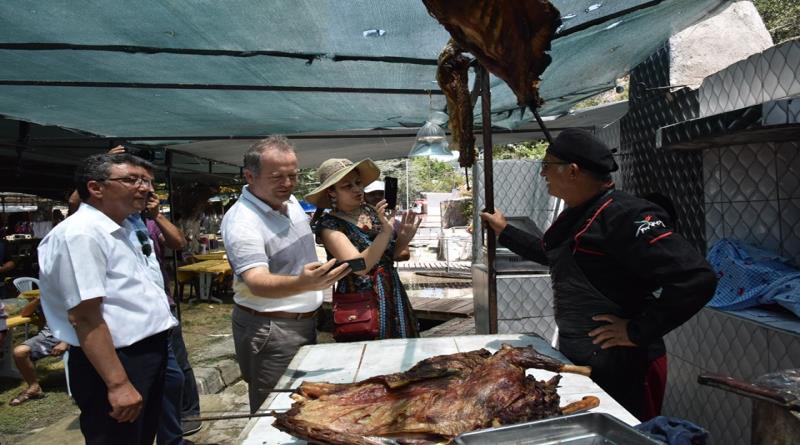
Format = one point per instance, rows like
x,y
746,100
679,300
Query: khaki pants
x,y
264,348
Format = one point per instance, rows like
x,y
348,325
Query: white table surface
x,y
352,362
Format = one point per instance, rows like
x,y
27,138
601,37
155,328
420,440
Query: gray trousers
x,y
264,348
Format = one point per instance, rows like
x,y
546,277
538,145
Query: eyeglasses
x,y
144,240
132,181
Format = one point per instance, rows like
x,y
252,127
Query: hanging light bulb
x,y
431,139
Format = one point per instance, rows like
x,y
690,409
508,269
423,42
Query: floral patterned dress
x,y
397,319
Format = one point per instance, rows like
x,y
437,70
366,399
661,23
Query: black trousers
x,y
145,363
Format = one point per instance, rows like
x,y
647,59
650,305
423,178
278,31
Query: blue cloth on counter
x,y
674,431
749,276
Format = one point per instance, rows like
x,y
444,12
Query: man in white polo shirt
x,y
99,295
278,279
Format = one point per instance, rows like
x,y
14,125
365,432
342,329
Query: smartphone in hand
x,y
356,264
390,192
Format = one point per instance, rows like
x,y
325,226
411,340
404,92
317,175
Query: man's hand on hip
x,y
613,334
126,402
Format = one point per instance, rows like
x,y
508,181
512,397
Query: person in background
x,y
6,266
373,194
99,295
41,345
278,279
165,234
169,426
3,325
57,217
353,229
608,253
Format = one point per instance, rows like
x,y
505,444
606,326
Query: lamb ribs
x,y
437,399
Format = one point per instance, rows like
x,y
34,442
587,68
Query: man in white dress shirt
x,y
99,295
278,278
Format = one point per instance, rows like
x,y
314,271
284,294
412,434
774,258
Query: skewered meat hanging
x,y
437,399
453,78
508,37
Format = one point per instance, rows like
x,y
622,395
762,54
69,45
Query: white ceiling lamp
x,y
431,140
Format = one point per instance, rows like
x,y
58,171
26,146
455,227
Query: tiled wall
x,y
646,169
525,305
723,343
519,190
524,302
764,76
747,192
752,194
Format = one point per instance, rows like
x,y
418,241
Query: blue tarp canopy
x,y
209,77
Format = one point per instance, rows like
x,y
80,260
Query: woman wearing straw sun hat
x,y
353,229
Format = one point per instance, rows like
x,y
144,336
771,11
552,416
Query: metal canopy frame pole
x,y
216,86
488,181
170,191
62,140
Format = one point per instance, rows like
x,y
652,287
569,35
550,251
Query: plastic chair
x,y
25,283
66,371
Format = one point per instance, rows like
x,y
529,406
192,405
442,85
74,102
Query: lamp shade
x,y
431,141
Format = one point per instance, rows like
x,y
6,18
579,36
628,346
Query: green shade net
x,y
586,60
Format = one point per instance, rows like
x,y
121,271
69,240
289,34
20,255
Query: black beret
x,y
581,147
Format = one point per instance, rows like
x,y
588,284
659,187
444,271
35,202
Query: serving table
x,y
212,255
352,362
206,271
29,294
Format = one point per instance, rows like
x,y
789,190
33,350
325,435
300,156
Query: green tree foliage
x,y
430,175
782,18
306,181
522,150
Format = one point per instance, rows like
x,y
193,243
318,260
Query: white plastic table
x,y
351,362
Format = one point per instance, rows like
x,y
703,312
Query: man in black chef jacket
x,y
608,253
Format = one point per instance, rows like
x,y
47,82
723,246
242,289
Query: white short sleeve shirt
x,y
256,235
88,256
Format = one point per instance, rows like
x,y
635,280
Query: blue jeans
x,y
170,431
190,407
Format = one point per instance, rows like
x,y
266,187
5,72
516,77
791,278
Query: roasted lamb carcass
x,y
509,38
432,402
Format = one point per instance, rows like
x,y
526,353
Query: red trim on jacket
x,y
589,223
663,235
590,252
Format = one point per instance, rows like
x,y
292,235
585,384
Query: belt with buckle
x,y
279,314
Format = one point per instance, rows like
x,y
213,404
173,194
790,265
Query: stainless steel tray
x,y
577,429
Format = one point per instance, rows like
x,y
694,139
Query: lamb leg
x,y
529,358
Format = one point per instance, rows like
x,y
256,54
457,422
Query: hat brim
x,y
367,172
